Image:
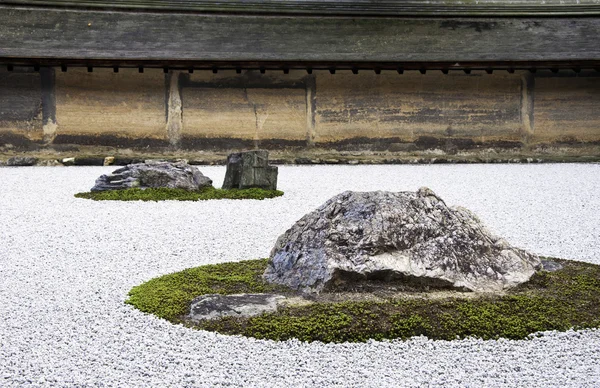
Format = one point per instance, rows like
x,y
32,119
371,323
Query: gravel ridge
x,y
66,265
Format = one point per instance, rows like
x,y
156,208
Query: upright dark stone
x,y
250,169
234,171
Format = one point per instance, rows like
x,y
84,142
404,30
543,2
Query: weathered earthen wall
x,y
102,106
567,108
177,112
250,108
20,105
478,106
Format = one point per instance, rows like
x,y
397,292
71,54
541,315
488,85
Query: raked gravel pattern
x,y
66,266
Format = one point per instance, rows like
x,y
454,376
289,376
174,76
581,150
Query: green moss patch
x,y
568,298
163,194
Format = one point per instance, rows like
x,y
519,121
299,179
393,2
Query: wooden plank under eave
x,y
76,34
344,7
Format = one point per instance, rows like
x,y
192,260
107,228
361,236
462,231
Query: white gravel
x,y
66,266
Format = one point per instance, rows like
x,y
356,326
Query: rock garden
x,y
249,176
382,265
67,265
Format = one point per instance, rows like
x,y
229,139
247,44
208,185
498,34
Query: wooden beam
x,y
343,7
40,33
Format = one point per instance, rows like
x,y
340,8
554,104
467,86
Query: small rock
x,y
250,169
156,174
22,161
89,161
125,161
551,266
49,163
109,160
68,161
239,305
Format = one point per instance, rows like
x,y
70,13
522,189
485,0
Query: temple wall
x,y
94,107
252,109
21,103
200,111
479,106
567,109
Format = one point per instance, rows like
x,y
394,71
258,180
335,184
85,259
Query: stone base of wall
x,y
98,156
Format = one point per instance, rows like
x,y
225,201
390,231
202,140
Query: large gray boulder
x,y
179,175
403,236
250,169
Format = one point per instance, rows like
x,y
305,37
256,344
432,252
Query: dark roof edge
x,y
466,8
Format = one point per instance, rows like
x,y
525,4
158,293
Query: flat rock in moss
x,y
408,236
238,305
179,175
551,265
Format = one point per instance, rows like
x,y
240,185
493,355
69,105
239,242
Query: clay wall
x,y
244,109
476,106
110,108
206,111
567,108
20,106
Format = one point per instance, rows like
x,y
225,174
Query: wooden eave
x,y
96,36
442,8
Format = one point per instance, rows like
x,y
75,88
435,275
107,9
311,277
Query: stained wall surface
x,y
479,106
230,110
248,107
126,104
567,108
21,102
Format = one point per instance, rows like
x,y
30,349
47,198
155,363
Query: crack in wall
x,y
174,110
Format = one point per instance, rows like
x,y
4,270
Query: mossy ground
x,y
568,298
163,194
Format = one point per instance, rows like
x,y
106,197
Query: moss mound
x,y
568,298
163,194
